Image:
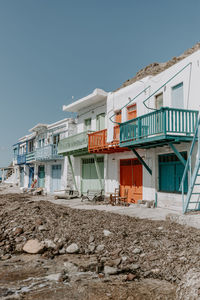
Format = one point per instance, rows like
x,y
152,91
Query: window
x,y
159,101
118,117
41,143
31,146
100,122
177,96
56,139
87,124
131,112
171,173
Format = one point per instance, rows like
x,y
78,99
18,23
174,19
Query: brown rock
x,y
130,277
33,247
18,231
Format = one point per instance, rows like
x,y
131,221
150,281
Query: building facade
x,y
36,158
144,138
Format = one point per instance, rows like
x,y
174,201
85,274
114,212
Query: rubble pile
x,y
156,68
117,244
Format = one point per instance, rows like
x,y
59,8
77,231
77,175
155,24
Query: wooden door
x,y
131,179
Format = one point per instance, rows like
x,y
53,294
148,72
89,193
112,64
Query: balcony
x,y
30,157
21,159
76,144
159,128
97,142
46,153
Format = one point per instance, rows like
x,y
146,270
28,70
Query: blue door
x,y
41,176
31,176
56,178
21,177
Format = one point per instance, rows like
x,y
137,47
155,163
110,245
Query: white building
x,y
89,169
36,159
156,117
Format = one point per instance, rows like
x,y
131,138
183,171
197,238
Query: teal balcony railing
x,y
164,124
30,156
48,152
75,144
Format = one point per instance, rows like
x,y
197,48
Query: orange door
x,y
131,179
131,112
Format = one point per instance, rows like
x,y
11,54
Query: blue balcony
x,y
46,153
21,159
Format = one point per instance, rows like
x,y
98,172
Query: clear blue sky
x,y
53,49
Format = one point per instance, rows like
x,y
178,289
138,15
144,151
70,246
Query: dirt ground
x,y
116,257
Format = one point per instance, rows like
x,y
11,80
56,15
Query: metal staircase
x,y
191,201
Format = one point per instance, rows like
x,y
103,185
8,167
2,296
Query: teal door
x,y
41,176
171,173
90,179
21,177
166,177
56,178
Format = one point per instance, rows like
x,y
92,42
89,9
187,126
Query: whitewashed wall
x,y
191,90
90,112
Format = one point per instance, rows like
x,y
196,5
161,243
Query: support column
x,y
98,171
72,170
142,161
180,157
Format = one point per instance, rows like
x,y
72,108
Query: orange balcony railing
x,y
97,141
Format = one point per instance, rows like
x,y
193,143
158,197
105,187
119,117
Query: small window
x,y
31,146
177,96
131,112
159,101
87,124
56,139
118,117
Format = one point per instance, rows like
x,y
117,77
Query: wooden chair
x,y
124,200
112,199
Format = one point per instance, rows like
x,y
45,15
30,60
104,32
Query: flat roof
x,y
96,96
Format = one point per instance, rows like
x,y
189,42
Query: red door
x,y
131,179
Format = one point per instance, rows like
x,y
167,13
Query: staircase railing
x,y
188,166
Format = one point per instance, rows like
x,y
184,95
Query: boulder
x,y
33,247
110,270
73,248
